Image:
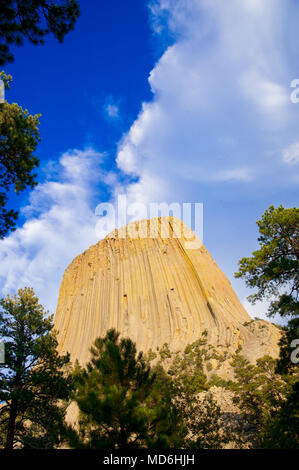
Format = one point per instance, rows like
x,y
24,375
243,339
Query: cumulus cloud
x,y
220,115
213,133
60,224
272,99
221,94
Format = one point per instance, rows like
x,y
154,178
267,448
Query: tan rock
x,y
154,289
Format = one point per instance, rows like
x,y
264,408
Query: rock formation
x,y
154,287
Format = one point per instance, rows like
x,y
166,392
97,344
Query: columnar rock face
x,y
154,287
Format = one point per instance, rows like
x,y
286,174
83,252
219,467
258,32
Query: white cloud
x,y
272,99
290,155
112,110
220,114
219,110
221,93
60,224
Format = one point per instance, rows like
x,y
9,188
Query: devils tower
x,y
155,289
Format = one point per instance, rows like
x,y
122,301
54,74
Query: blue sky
x,y
167,100
105,60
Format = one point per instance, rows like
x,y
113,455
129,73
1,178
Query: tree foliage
x,y
202,419
281,431
187,370
289,333
266,399
19,137
118,399
275,266
270,397
33,378
33,20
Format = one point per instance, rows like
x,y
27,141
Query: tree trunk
x,y
11,427
123,438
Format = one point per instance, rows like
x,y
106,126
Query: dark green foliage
x,y
274,270
150,355
119,399
187,370
164,352
33,20
282,430
170,428
217,381
18,140
275,266
262,396
289,333
33,378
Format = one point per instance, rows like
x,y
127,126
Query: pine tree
x,y
282,430
274,271
275,266
117,395
33,20
33,379
19,136
262,395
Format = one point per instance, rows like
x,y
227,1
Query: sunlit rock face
x,y
156,283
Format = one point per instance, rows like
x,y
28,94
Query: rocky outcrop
x,y
154,287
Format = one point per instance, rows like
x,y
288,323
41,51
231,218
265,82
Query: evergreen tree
x,y
33,20
282,430
275,266
274,270
33,379
19,137
168,429
263,397
119,401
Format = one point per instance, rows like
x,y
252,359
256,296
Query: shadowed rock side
x,y
154,287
